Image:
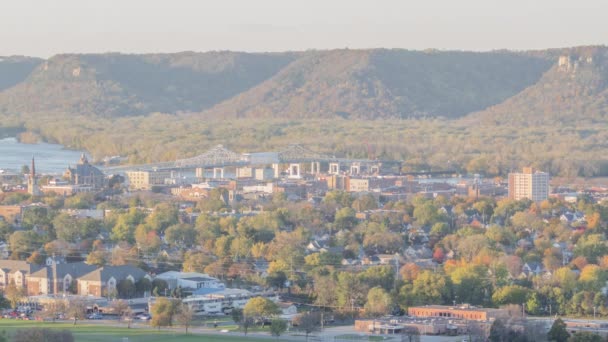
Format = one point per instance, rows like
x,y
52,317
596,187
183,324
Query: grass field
x,y
100,333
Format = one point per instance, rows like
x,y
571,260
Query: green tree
x,y
22,243
163,311
511,294
5,230
379,302
277,327
83,200
259,307
325,290
350,290
36,217
499,332
308,322
558,331
345,219
142,286
241,320
427,213
164,216
439,230
591,246
126,288
533,304
383,276
124,228
430,288
181,235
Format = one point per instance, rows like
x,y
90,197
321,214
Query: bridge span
x,y
293,155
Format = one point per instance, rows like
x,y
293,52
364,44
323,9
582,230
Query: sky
x,y
44,28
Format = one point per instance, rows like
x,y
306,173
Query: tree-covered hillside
x,y
112,85
373,84
574,89
368,84
15,69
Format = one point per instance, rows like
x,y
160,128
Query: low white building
x,y
190,280
208,301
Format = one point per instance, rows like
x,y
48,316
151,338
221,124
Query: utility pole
x,y
322,319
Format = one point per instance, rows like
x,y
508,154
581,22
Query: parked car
x,y
95,316
144,317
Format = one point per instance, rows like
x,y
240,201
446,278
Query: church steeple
x,y
32,182
33,169
83,159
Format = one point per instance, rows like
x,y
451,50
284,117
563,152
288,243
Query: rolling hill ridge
x,y
497,87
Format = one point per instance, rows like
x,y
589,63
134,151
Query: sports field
x,y
84,332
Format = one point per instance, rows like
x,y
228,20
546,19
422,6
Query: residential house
x,y
288,311
532,268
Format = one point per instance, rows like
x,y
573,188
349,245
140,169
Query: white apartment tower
x,y
530,184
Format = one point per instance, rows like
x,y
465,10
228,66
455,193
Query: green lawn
x,y
100,333
354,337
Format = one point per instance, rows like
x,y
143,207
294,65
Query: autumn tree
x,y
184,316
123,310
258,308
163,311
54,309
76,309
14,294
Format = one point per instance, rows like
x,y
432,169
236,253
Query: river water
x,y
50,158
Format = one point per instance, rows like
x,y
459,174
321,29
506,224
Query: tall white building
x,y
530,184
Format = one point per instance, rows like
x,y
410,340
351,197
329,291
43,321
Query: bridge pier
x,y
374,169
334,168
355,168
294,171
315,167
219,170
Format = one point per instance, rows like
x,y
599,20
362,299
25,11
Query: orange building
x,y
464,311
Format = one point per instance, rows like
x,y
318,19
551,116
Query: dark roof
x,y
19,265
118,272
58,271
199,279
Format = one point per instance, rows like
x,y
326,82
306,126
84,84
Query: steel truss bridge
x,y
219,156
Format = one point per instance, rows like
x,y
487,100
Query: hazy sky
x,y
47,27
